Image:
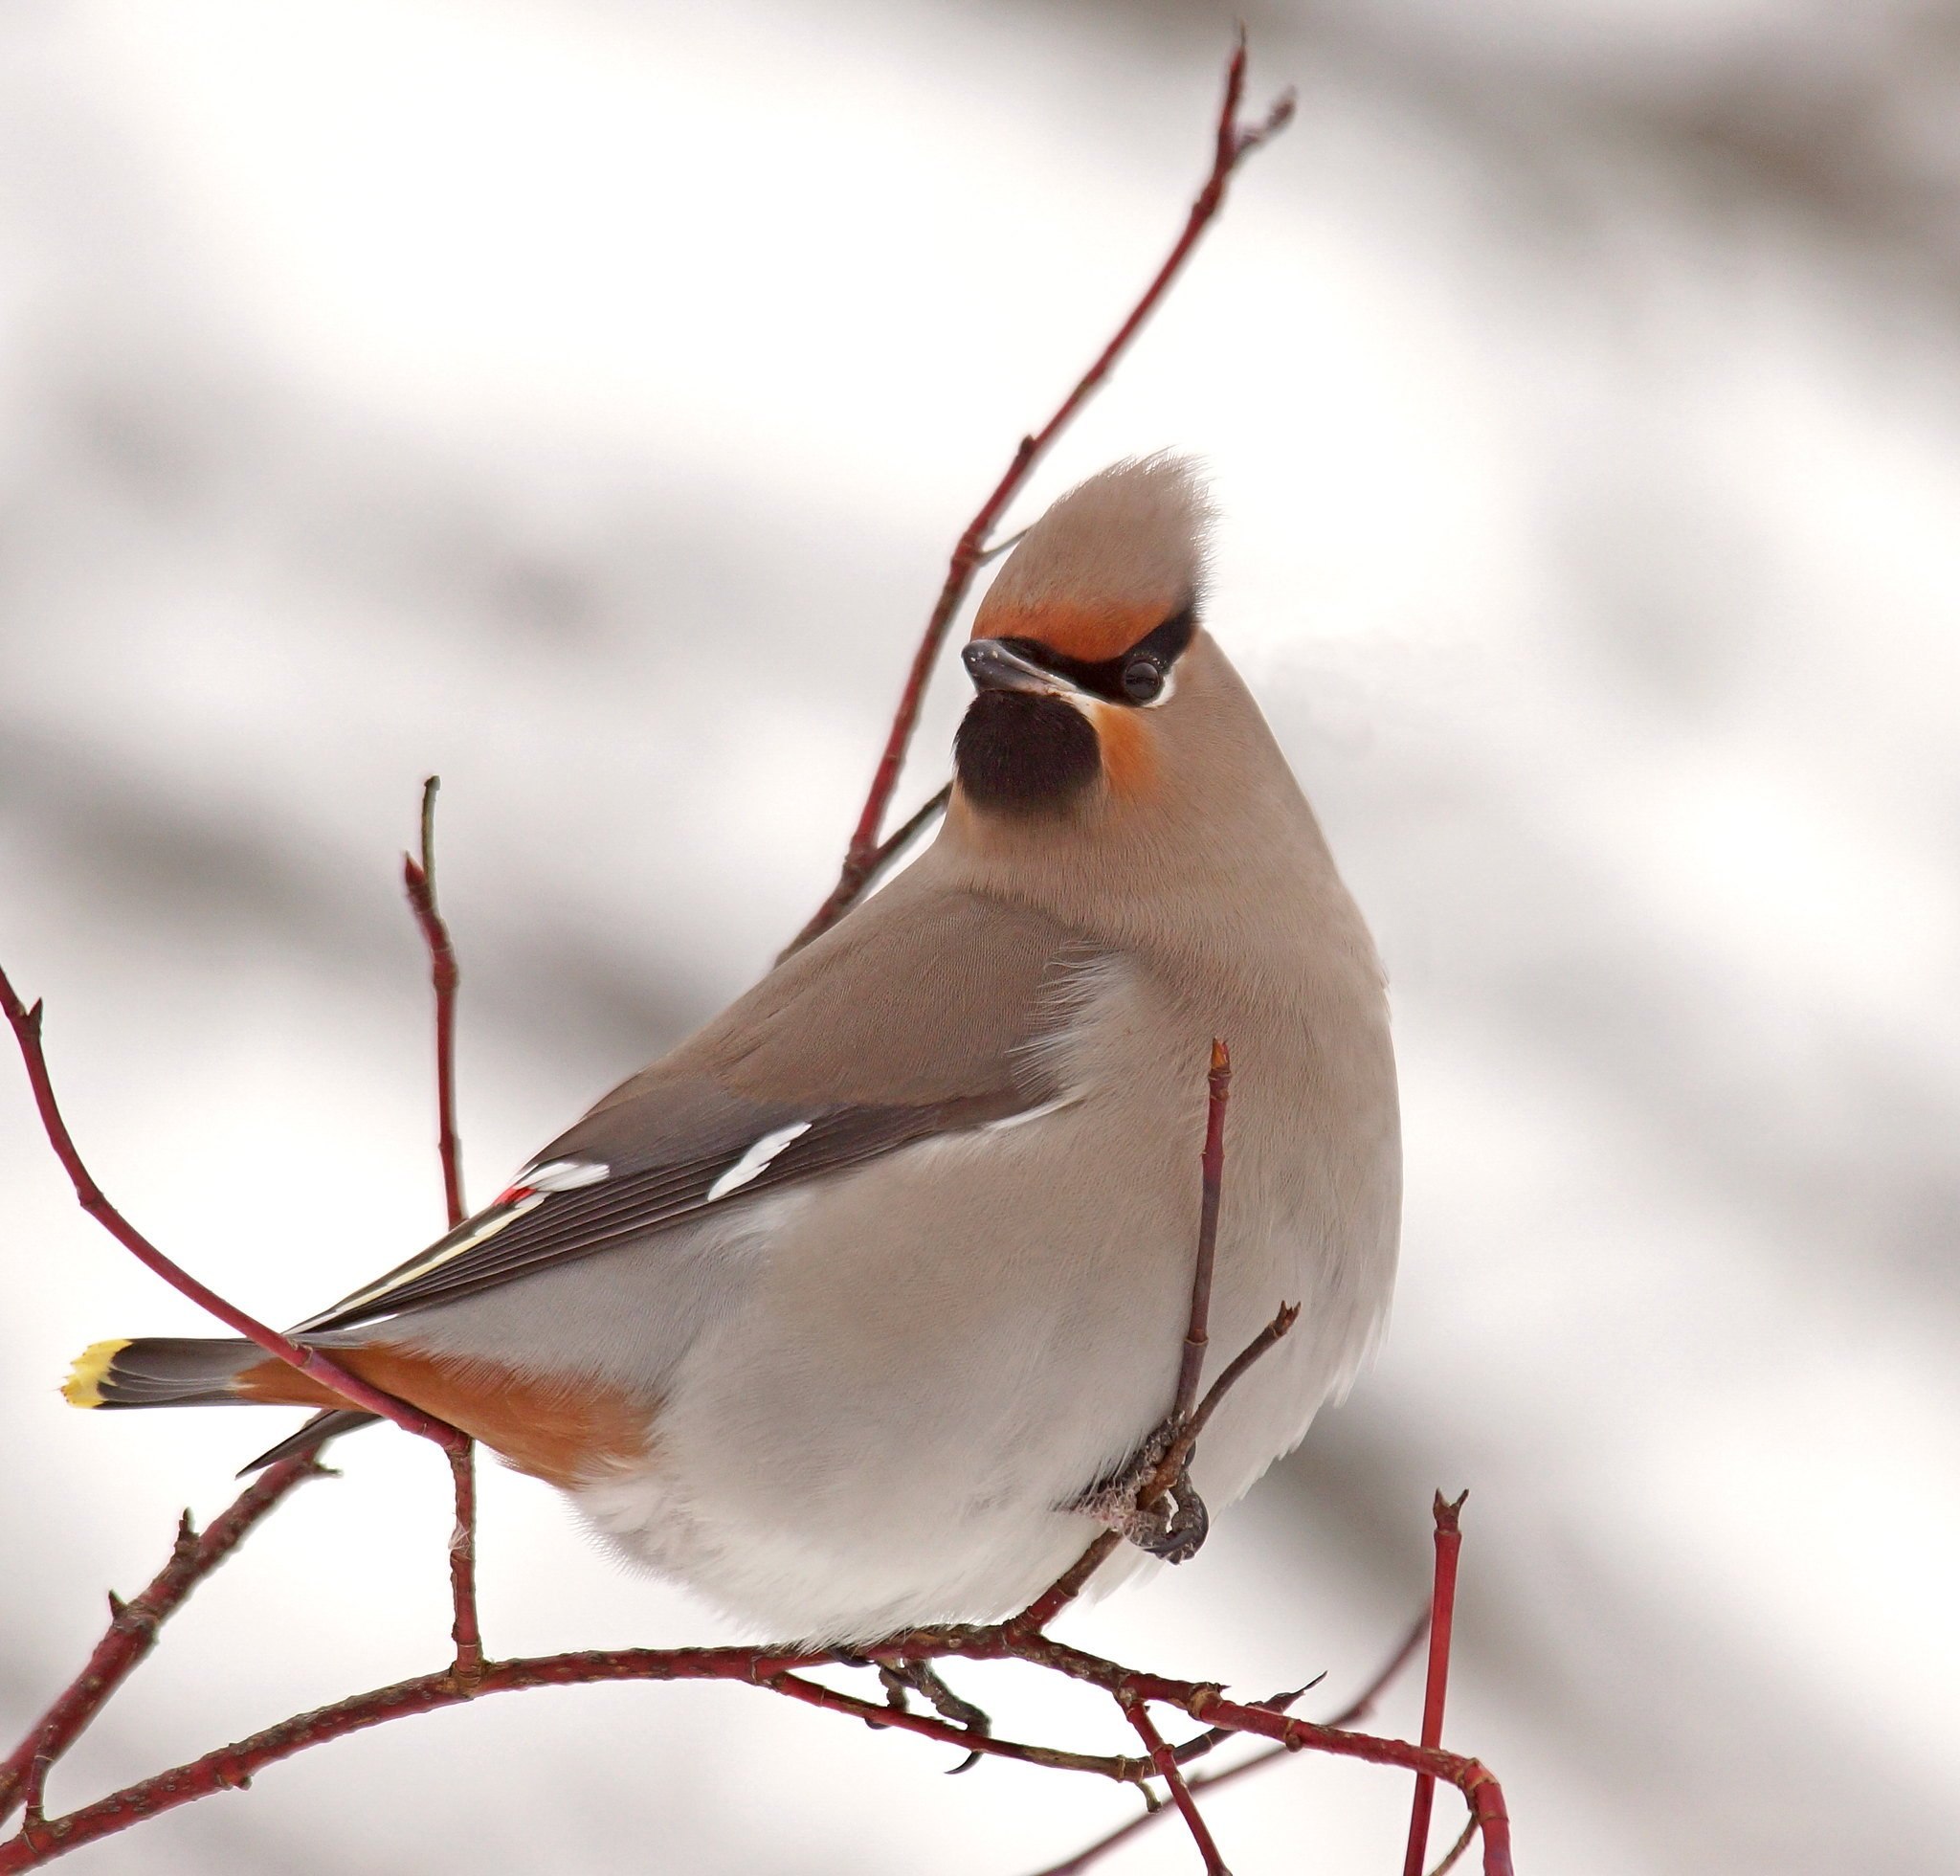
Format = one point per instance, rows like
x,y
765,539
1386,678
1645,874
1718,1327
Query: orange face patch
x,y
1088,633
561,1431
1129,761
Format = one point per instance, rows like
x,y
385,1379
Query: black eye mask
x,y
1132,677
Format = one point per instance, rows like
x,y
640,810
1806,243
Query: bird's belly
x,y
880,1432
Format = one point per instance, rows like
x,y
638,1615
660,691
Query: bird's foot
x,y
921,1677
1172,1526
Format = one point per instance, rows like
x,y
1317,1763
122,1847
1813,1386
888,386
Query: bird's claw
x,y
921,1677
1175,1526
1172,1526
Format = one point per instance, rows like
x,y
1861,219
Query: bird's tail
x,y
161,1370
179,1370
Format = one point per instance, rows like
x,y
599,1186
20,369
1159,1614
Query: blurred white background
x,y
579,400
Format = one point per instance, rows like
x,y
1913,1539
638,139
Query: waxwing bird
x,y
840,1311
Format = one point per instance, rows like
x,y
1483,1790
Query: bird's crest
x,y
1107,564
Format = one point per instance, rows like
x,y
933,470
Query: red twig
x,y
890,848
1266,1339
1204,1700
1231,144
232,1768
132,1631
418,881
1165,1762
1442,1611
1200,1744
1185,1423
1066,1587
463,1627
26,1031
1357,1708
1213,1160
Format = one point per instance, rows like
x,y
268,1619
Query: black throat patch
x,y
1023,752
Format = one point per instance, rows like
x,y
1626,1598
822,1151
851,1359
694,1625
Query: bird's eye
x,y
1142,678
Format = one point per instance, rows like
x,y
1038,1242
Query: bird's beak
x,y
995,666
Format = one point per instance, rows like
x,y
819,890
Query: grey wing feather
x,y
510,1238
927,997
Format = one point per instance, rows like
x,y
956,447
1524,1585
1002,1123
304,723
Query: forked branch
x,y
1137,1711
1357,1708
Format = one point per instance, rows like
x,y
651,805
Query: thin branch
x,y
894,845
1069,1585
1213,1161
1442,1613
1165,1762
890,850
813,1693
418,881
1184,1425
1267,1339
1454,1852
993,550
132,1631
26,1031
33,1790
1357,1708
1231,144
464,1629
232,1768
1209,1741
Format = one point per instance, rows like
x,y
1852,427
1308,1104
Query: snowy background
x,y
579,401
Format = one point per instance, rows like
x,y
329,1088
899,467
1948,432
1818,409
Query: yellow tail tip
x,y
83,1387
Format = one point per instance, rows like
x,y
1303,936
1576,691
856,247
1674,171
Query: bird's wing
x,y
912,1018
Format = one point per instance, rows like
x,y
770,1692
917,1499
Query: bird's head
x,y
1083,653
